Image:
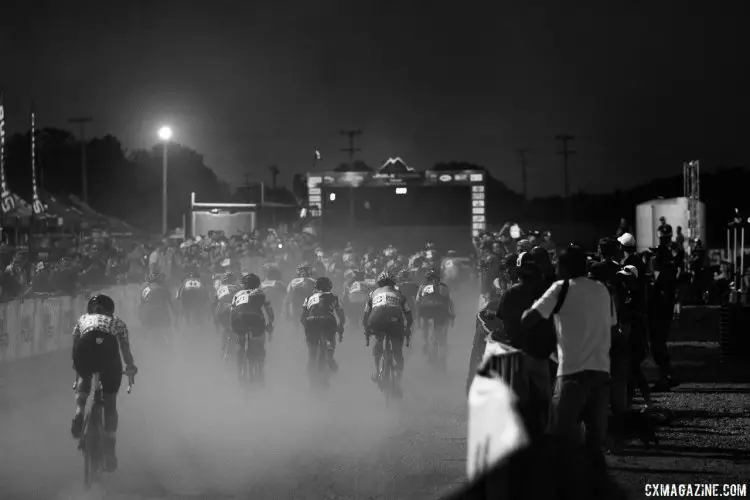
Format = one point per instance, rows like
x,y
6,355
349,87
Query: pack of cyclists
x,y
389,291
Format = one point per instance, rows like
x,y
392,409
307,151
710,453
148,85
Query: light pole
x,y
165,134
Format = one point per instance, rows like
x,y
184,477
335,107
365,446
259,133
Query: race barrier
x,y
43,324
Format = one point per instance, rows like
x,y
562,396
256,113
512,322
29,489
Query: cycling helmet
x,y
101,304
157,278
304,270
323,284
250,281
386,279
227,279
432,275
403,275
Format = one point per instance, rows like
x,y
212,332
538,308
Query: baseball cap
x,y
627,240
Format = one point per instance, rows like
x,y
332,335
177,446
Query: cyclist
x,y
193,296
222,305
385,314
273,286
434,304
246,318
156,304
408,288
322,316
298,290
100,344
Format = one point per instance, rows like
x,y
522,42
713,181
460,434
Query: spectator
x,y
584,318
664,231
527,372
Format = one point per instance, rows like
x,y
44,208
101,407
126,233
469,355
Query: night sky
x,y
642,85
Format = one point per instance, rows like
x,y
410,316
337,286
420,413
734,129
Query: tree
x,y
126,186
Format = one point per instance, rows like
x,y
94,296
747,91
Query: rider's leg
x,y
377,351
397,344
259,351
424,322
311,339
83,388
330,336
241,339
111,381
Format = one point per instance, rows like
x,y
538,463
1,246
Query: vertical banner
x,y
8,203
38,207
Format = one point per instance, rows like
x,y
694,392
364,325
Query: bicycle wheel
x,y
387,370
91,443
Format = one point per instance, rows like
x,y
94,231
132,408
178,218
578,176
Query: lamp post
x,y
165,134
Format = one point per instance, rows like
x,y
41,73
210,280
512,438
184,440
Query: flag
x,y
6,197
317,154
36,203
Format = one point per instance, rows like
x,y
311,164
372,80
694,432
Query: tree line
x,y
122,184
128,185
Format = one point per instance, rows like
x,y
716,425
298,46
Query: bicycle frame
x,y
386,368
93,430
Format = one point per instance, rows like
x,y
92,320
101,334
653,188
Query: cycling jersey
x,y
274,290
98,341
225,293
299,289
386,308
89,323
322,306
433,295
192,290
154,296
246,312
359,292
451,269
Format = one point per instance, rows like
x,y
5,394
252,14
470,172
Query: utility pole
x,y
566,153
82,121
351,134
247,176
522,153
274,175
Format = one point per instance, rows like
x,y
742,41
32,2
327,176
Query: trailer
x,y
675,211
231,218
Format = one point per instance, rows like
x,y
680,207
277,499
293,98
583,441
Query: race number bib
x,y
145,293
268,284
241,298
223,291
193,284
385,300
313,300
428,290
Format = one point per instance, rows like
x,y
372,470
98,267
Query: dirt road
x,y
188,431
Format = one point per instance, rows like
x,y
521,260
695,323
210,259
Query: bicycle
x,y
436,353
251,370
91,438
386,377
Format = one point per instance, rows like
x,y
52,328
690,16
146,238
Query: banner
x,y
6,198
44,324
36,204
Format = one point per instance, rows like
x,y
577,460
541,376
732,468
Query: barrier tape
x,y
40,325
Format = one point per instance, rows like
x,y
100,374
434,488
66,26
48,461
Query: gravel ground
x,y
709,440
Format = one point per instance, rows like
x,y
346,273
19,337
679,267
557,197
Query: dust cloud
x,y
188,427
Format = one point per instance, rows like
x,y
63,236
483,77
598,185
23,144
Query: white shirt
x,y
584,325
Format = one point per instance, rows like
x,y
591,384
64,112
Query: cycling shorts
x,y
321,324
387,319
248,322
99,352
435,313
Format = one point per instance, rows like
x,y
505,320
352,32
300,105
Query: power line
x,y
566,153
352,135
